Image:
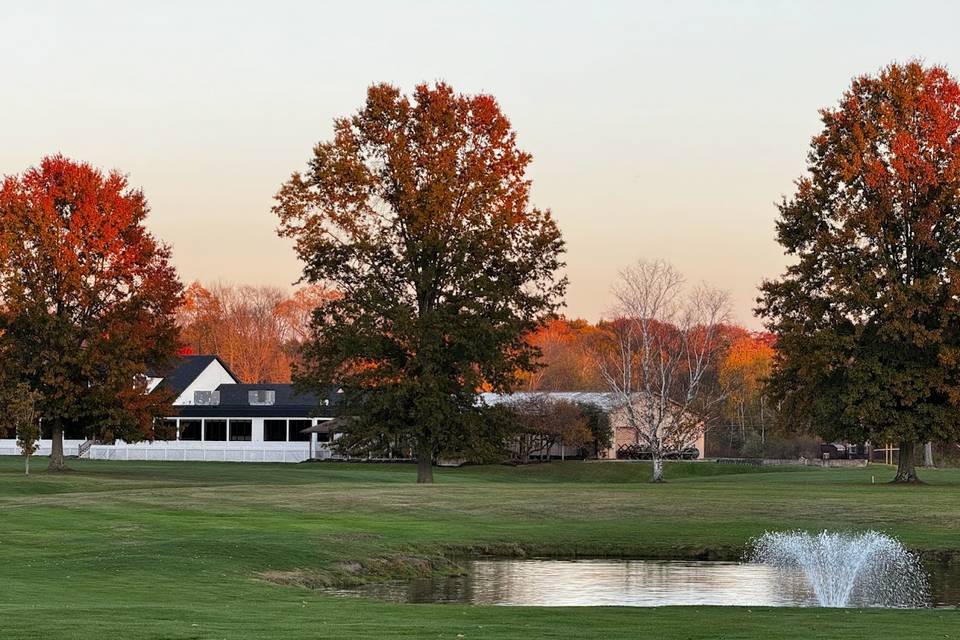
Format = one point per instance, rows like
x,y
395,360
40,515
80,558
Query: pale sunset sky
x,y
658,129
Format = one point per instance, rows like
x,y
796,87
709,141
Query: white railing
x,y
183,450
8,447
207,452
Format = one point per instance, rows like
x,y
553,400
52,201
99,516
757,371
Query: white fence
x,y
187,451
8,447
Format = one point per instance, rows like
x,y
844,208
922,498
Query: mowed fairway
x,y
178,550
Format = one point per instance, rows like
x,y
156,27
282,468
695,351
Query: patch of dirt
x,y
351,572
348,566
297,578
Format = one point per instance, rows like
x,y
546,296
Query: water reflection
x,y
634,583
629,583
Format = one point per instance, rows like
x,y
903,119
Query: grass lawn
x,y
178,550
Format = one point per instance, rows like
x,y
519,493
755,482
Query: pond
x,y
631,583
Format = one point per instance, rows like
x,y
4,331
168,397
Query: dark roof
x,y
185,370
288,403
284,394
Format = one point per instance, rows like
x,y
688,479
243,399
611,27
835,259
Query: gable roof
x,y
185,371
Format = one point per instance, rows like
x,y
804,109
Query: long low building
x,y
219,419
624,437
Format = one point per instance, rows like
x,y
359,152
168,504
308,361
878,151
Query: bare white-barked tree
x,y
660,349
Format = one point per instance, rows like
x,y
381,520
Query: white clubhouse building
x,y
219,419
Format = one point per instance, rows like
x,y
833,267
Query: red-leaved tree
x,y
87,301
867,315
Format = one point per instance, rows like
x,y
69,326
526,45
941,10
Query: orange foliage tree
x,y
742,373
88,301
256,330
867,313
567,361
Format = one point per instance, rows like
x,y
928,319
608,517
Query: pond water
x,y
632,583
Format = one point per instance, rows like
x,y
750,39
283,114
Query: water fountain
x,y
867,569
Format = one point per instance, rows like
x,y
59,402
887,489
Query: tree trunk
x,y
424,465
906,472
928,454
26,465
657,469
56,451
743,425
763,426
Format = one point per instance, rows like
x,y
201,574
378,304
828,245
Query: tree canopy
x,y
256,330
566,348
868,316
418,213
541,422
660,356
87,300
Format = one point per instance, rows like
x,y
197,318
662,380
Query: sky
x,y
658,129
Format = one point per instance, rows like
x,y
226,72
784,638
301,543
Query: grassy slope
x,y
167,550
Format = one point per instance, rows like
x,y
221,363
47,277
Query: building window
x,y
215,430
190,429
206,398
261,397
275,430
241,430
323,437
296,426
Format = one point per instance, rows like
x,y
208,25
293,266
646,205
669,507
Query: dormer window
x,y
261,397
206,398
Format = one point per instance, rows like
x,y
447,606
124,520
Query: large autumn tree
x,y
87,301
418,213
868,317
